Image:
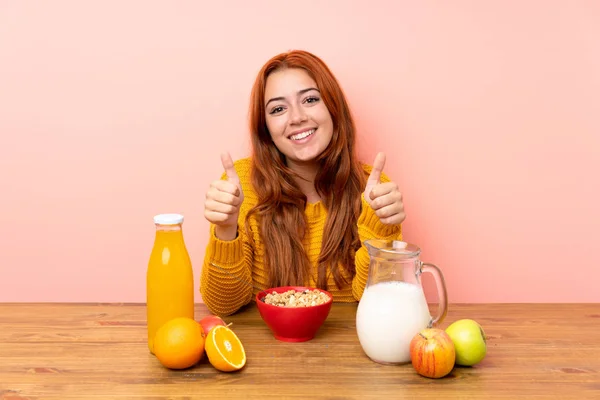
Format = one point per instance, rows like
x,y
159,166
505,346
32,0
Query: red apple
x,y
432,353
209,322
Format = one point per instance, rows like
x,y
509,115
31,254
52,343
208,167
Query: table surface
x,y
99,351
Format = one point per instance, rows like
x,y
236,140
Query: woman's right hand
x,y
223,201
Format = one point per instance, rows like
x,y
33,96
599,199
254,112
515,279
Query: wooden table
x,y
99,351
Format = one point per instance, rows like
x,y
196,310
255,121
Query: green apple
x,y
469,341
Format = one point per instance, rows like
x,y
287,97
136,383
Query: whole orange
x,y
179,343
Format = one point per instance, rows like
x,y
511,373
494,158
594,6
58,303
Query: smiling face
x,y
298,120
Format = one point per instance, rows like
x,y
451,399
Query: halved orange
x,y
224,349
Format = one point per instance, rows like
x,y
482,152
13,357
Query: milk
x,y
389,315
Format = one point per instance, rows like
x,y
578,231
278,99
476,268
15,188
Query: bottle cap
x,y
168,219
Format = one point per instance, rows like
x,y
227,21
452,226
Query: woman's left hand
x,y
384,198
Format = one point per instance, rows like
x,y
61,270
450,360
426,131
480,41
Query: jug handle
x,y
441,288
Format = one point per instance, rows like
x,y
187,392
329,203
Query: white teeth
x,y
302,135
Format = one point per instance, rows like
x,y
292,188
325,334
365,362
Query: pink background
x,y
113,111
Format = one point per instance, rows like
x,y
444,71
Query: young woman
x,y
298,210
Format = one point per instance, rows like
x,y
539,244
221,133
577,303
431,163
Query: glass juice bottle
x,y
169,278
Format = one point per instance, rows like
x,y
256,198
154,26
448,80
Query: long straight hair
x,y
339,182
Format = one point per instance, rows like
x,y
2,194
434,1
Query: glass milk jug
x,y
169,278
393,308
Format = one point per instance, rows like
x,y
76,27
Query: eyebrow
x,y
299,92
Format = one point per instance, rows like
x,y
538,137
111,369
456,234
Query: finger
x,y
216,206
232,176
387,201
394,220
215,217
378,165
225,186
223,197
383,189
389,211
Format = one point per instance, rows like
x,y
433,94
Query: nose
x,y
298,115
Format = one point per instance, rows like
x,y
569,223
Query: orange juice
x,y
169,278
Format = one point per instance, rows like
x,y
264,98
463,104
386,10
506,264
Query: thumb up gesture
x,y
223,201
384,198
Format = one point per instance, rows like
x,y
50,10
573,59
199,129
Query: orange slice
x,y
224,349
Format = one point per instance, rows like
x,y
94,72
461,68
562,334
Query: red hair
x,y
339,182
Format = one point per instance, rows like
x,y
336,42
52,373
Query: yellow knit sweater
x,y
234,272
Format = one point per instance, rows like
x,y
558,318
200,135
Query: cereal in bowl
x,y
292,298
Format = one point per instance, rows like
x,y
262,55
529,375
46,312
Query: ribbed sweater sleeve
x,y
226,282
370,227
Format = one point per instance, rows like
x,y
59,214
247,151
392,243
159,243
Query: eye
x,y
311,99
276,110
